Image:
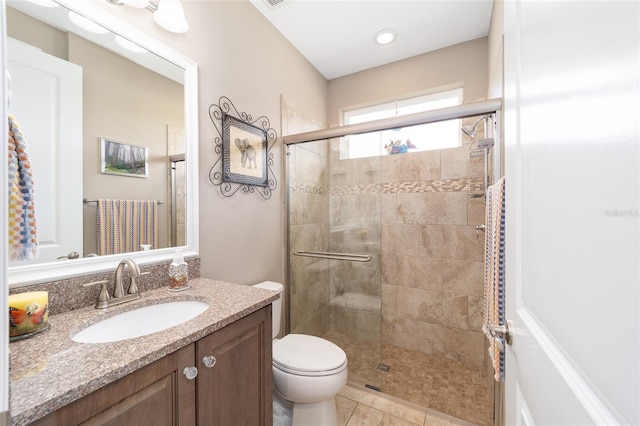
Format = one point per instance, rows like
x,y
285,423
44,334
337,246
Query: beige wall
x,y
463,65
36,33
242,56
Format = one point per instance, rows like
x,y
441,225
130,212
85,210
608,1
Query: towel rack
x,y
88,201
335,256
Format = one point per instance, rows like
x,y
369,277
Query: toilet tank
x,y
276,305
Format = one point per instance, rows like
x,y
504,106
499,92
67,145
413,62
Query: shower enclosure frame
x,y
173,161
488,107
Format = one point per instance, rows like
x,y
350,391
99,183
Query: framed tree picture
x,y
118,158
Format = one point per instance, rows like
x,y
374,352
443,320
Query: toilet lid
x,y
300,352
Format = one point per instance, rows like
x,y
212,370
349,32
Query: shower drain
x,y
383,367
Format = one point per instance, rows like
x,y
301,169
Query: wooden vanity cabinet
x,y
236,390
158,394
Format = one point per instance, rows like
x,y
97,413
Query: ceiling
x,y
336,36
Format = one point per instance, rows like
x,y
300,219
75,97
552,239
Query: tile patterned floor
x,y
363,407
449,389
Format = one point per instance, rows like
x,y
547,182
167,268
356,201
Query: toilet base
x,y
322,413
282,410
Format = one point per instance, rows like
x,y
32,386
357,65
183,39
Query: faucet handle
x,y
103,296
133,287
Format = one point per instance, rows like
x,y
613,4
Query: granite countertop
x,y
49,370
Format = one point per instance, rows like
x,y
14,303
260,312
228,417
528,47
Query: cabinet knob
x,y
209,361
190,372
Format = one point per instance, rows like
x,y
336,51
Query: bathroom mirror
x,y
113,60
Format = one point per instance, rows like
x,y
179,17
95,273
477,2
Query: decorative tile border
x,y
372,188
308,187
474,184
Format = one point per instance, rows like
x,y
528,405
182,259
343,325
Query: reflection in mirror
x,y
80,76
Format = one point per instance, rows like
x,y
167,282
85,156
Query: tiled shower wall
x,y
308,224
432,255
355,217
309,231
415,215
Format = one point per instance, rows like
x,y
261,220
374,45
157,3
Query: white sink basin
x,y
140,322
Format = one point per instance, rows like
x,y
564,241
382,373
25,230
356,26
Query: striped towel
x,y
23,239
494,274
123,225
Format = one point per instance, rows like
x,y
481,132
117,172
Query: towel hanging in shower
x,y
23,238
494,274
122,226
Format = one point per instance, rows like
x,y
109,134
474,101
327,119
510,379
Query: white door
x,y
46,100
572,166
4,323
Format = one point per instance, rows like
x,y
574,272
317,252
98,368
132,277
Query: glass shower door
x,y
420,216
334,245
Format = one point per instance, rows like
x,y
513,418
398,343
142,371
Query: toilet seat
x,y
305,355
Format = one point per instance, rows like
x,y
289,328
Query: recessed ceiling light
x,y
385,36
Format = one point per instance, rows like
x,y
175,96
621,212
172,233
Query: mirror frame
x,y
19,276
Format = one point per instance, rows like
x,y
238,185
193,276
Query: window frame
x,y
392,108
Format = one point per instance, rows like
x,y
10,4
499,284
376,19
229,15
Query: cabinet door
x,y
237,390
158,394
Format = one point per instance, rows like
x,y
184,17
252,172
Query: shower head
x,y
471,130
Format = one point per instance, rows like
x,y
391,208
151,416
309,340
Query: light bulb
x,y
170,16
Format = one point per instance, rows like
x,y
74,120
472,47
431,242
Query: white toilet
x,y
307,371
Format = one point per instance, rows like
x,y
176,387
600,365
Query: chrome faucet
x,y
119,296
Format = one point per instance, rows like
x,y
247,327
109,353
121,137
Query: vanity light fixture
x,y
169,14
140,4
385,36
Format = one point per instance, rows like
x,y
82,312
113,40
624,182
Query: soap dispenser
x,y
178,273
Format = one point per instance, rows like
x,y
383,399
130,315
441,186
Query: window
x,y
424,137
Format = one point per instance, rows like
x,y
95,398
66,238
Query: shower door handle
x,y
354,257
502,331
